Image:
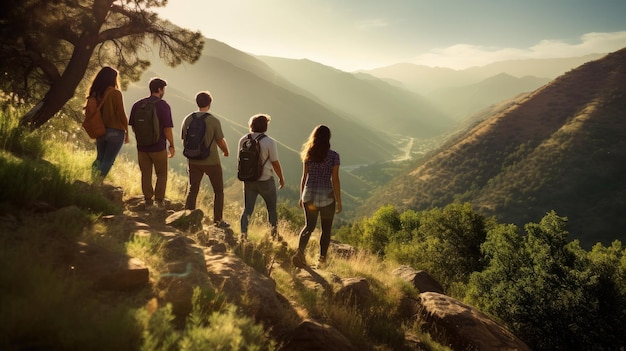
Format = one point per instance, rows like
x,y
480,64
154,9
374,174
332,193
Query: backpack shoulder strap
x,y
104,98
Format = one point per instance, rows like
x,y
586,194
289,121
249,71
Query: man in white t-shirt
x,y
265,185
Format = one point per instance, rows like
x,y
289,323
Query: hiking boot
x,y
221,224
243,237
159,204
298,259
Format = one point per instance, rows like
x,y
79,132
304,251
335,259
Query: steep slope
x,y
369,100
563,147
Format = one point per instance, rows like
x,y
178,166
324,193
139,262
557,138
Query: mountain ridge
x,y
558,148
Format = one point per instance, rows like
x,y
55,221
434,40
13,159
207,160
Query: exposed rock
x,y
247,288
421,280
115,194
355,291
312,336
342,250
108,270
463,327
186,220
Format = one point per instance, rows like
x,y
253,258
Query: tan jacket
x,y
113,112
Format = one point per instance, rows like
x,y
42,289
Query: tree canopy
x,y
48,47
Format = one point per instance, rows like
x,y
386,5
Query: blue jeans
x,y
267,190
311,212
108,146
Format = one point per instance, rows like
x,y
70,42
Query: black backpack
x,y
249,166
195,147
146,125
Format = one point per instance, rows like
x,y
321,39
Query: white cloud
x,y
462,56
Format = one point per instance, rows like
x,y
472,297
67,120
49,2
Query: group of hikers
x,y
320,191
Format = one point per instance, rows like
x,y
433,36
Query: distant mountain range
x,y
562,148
373,118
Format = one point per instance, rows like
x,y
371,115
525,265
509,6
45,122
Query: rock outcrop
x,y
463,327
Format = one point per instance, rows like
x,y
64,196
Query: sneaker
x,y
298,259
221,224
275,235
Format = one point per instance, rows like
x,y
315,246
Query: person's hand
x,y
281,183
300,203
226,153
171,151
338,207
126,138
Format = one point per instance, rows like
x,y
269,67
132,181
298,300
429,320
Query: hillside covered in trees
x,y
560,148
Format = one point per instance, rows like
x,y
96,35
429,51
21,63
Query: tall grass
x,y
44,306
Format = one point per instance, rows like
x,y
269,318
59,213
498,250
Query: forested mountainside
x,y
561,148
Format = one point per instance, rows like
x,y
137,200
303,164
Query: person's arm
x,y
169,135
336,188
279,172
305,170
223,146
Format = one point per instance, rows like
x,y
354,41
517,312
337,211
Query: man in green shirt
x,y
210,165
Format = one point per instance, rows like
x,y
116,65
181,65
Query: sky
x,y
356,35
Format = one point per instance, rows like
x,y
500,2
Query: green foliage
x,y
548,290
206,329
26,178
380,229
444,242
18,140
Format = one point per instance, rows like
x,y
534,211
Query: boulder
x,y
186,220
247,288
312,336
342,250
355,291
463,327
108,270
421,280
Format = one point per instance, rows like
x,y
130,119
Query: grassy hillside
x,y
560,148
50,204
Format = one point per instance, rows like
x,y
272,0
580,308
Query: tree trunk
x,y
62,89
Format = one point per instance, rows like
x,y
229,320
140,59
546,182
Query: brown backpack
x,y
93,123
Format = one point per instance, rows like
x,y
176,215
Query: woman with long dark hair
x,y
320,191
105,89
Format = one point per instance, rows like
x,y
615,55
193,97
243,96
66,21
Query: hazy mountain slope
x,y
562,147
383,106
460,102
423,79
241,86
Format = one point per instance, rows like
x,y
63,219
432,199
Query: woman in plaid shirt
x,y
320,191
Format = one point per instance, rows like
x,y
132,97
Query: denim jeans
x,y
267,190
108,146
311,212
